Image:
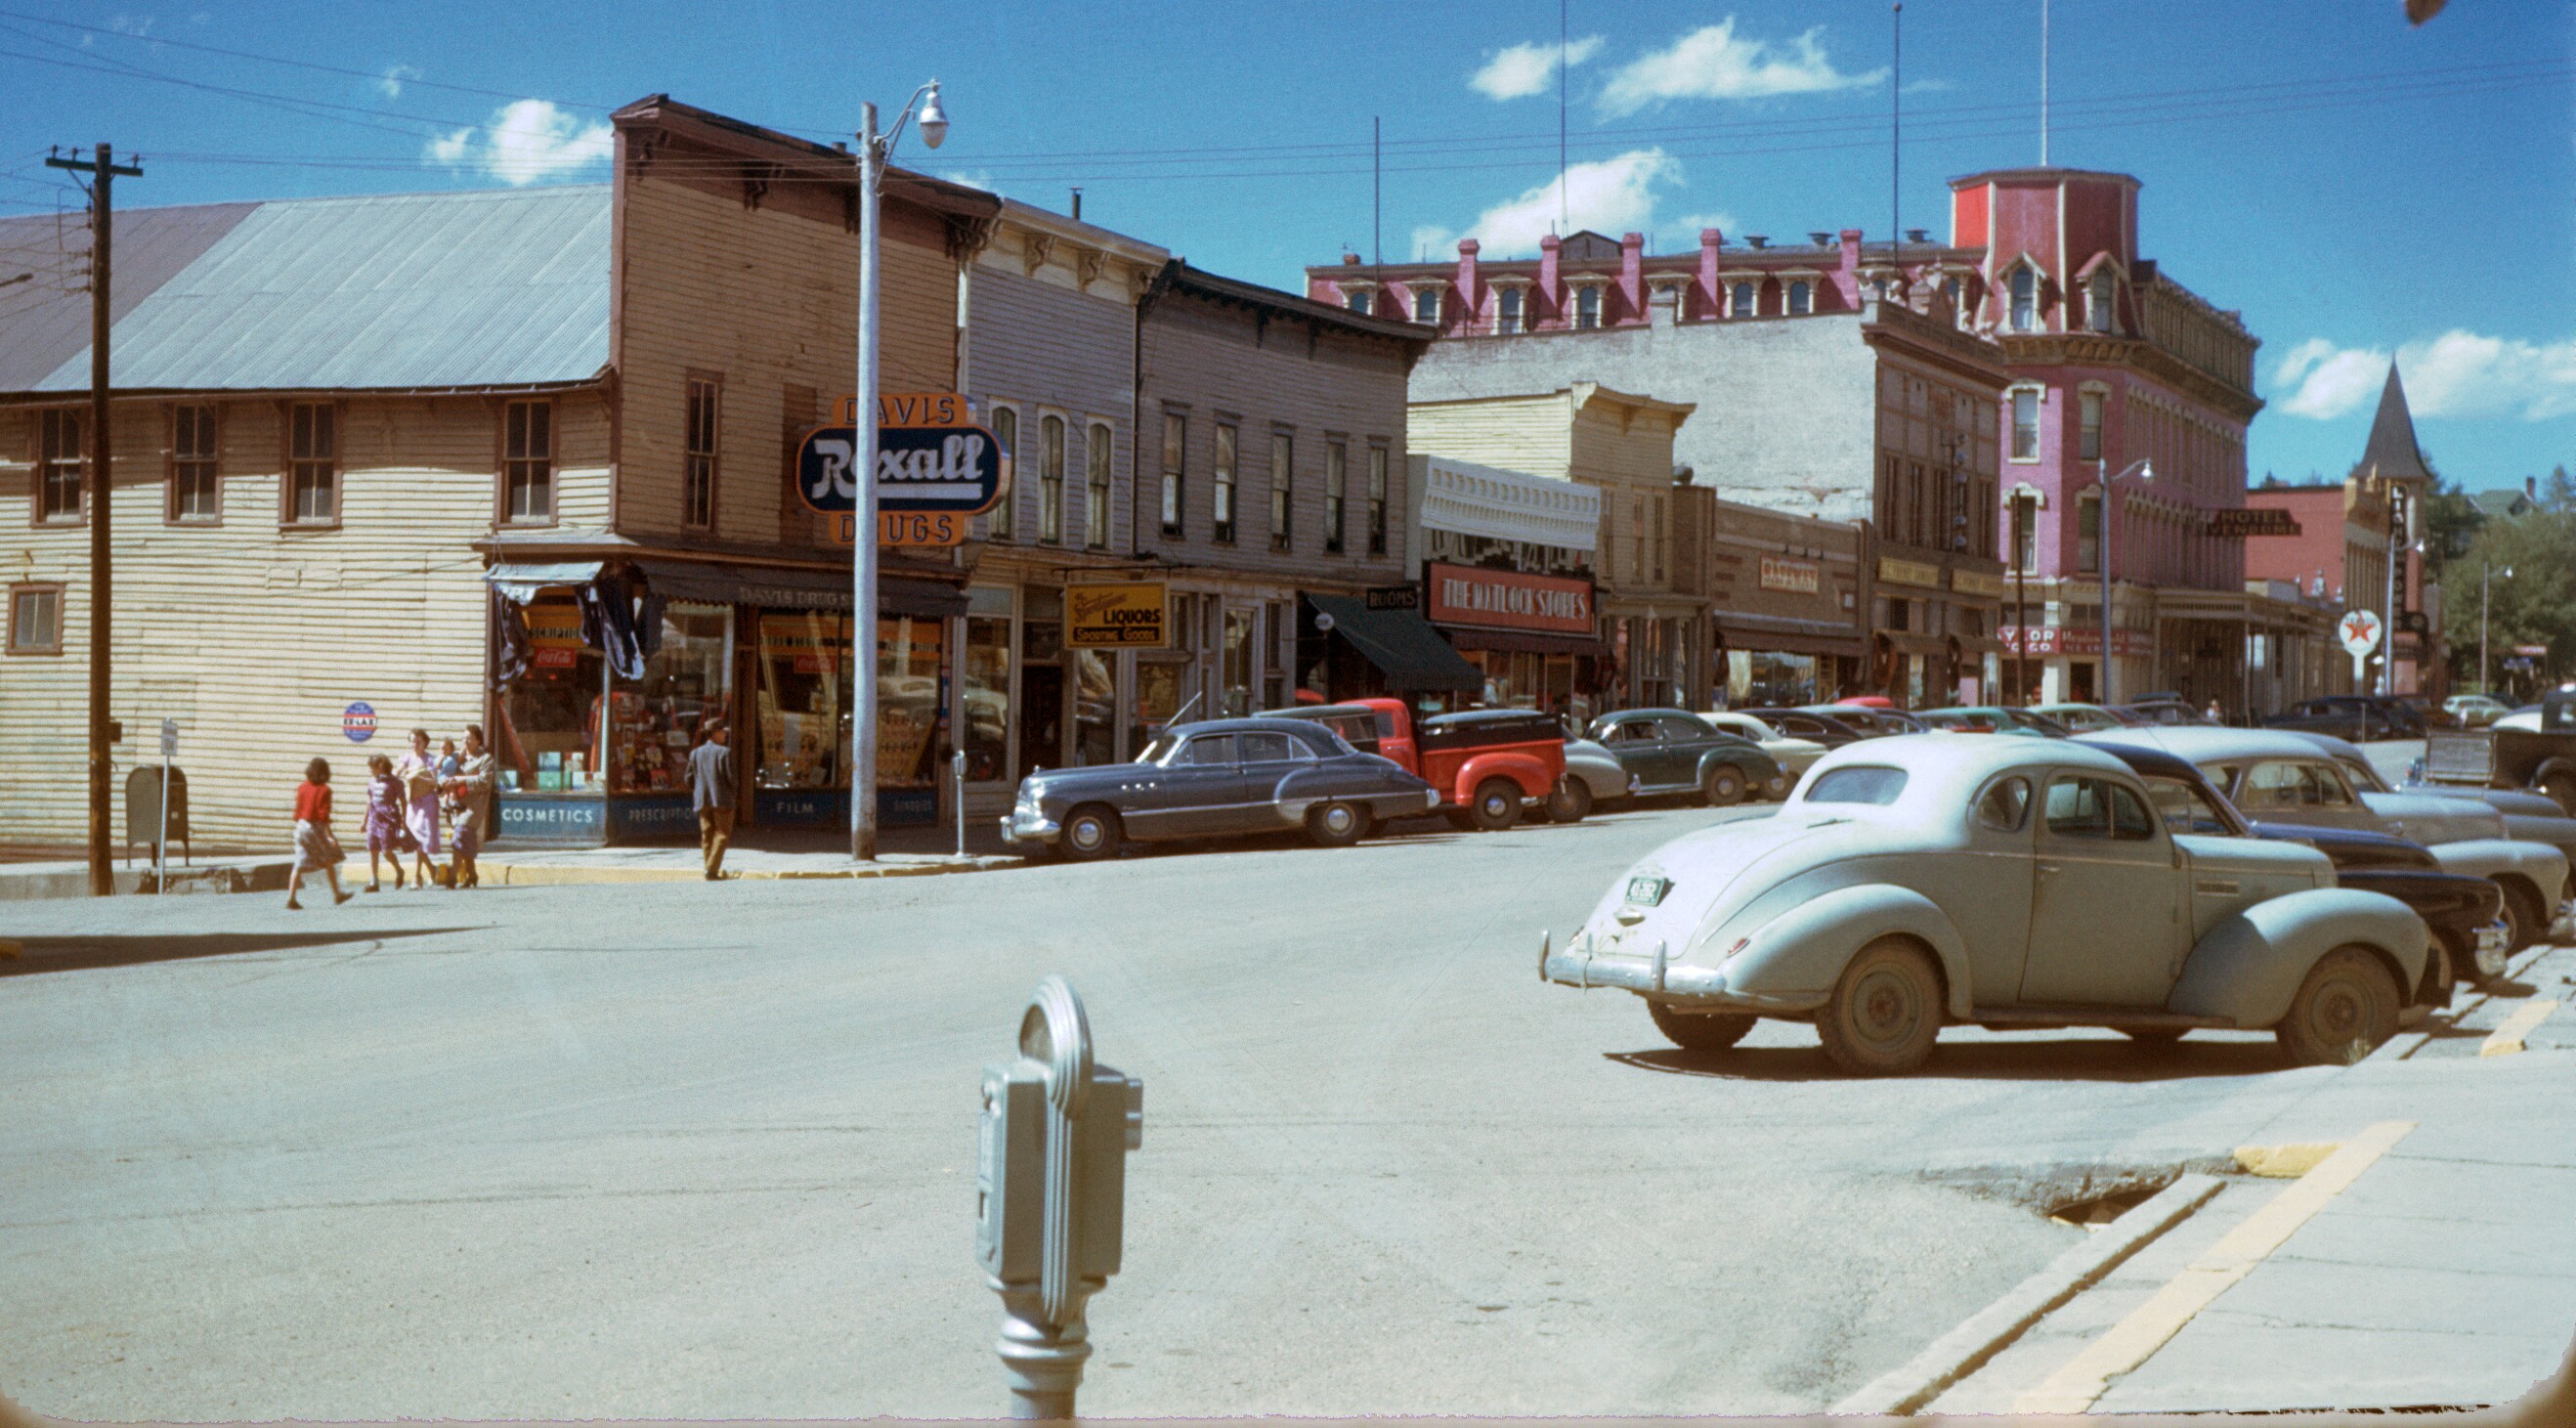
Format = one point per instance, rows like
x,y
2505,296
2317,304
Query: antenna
x,y
2043,83
1896,147
1377,199
1564,204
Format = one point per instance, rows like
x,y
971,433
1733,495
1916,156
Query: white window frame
x,y
2012,422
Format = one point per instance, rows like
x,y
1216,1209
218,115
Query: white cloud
x,y
2458,374
1711,63
1927,86
1612,196
390,83
1692,223
978,178
1524,70
524,141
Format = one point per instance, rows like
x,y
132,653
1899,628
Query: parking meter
x,y
1050,1193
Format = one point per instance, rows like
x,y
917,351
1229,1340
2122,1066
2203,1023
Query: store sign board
x,y
1971,582
923,528
1792,577
910,409
2082,640
1394,597
1908,572
1508,600
2251,521
1132,615
551,820
554,633
920,470
2359,630
358,721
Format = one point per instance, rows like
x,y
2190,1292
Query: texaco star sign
x,y
2360,631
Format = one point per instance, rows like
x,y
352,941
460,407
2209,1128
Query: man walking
x,y
711,790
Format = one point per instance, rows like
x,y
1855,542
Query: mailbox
x,y
1050,1194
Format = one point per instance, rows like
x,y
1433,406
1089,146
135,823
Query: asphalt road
x,y
707,1151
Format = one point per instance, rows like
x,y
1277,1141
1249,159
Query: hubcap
x,y
1085,833
1887,1007
1337,819
1494,806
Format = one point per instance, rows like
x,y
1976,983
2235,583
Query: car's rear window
x,y
1858,783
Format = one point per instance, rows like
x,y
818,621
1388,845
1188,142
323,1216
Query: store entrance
x,y
1041,718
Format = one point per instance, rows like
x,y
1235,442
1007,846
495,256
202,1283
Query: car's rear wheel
x,y
1725,786
2561,786
1699,1031
1570,801
1091,833
2347,1006
1337,824
2523,922
1885,1011
1497,805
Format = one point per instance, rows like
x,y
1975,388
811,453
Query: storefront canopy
x,y
788,589
518,581
1402,645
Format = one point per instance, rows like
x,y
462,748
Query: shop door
x,y
1041,718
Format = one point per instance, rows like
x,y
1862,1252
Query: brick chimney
x,y
1712,300
1549,308
1632,279
1471,295
1847,277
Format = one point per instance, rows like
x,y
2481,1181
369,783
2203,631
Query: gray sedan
x,y
1218,778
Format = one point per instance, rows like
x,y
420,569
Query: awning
x,y
518,581
1402,644
788,589
1515,642
1781,634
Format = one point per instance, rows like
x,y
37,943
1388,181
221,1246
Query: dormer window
x,y
1587,306
1951,293
1801,299
1360,301
2098,299
2025,298
1741,301
1507,311
1426,305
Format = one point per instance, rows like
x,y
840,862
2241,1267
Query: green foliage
x,y
2449,521
2532,606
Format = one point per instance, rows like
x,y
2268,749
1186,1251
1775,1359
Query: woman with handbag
x,y
418,771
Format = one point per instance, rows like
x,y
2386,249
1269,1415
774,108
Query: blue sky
x,y
2354,186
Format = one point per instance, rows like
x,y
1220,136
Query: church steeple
x,y
2392,453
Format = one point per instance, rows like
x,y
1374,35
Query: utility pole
x,y
863,545
103,170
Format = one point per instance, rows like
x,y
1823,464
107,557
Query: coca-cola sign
x,y
1508,600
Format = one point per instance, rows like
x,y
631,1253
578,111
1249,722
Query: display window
x,y
1095,695
1158,698
687,681
548,714
908,695
804,700
1759,680
984,667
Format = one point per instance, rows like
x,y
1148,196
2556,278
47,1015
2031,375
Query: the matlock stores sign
x,y
1127,616
1508,600
1793,577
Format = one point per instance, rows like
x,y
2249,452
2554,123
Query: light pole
x,y
874,150
2486,575
2145,471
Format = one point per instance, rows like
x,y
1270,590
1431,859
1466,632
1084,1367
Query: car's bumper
x,y
1659,976
1023,828
2493,946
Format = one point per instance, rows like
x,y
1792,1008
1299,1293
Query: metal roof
x,y
494,288
44,322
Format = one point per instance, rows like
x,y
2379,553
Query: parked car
x,y
2528,817
1994,719
2279,775
1816,728
1487,763
1676,751
2087,718
1603,778
2465,914
2475,711
2009,883
2358,717
1871,720
2164,708
1793,754
1216,778
2520,749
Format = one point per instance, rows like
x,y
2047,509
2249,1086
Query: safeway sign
x,y
931,460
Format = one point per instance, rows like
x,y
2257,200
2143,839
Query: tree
x,y
2530,606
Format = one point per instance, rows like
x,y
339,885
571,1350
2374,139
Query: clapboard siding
x,y
1225,362
254,638
765,300
1050,347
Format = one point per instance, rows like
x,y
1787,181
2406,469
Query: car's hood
x,y
2431,818
2351,847
1716,871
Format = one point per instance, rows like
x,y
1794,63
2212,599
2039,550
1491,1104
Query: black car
x,y
2464,913
1213,779
1799,724
2358,717
1676,751
1869,721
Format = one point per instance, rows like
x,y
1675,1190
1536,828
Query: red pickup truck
x,y
1487,763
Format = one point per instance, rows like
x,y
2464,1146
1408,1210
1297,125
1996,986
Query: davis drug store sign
x,y
1507,600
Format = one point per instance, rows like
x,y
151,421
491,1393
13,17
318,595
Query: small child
x,y
386,836
315,848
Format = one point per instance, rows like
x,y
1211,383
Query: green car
x,y
1675,751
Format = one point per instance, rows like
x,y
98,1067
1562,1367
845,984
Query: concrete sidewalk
x,y
69,877
2434,1266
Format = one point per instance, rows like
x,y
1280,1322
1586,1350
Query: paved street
x,y
707,1151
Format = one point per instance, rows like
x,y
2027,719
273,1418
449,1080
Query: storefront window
x,y
986,670
1237,686
1756,680
1095,694
685,682
1158,698
908,655
804,700
549,729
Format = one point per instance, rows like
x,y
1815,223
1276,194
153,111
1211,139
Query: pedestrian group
x,y
422,804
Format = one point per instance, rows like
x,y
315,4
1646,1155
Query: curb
x,y
571,875
1965,1349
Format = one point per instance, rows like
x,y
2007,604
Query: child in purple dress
x,y
386,836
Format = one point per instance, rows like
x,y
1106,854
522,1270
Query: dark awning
x,y
1520,642
1401,644
786,589
518,581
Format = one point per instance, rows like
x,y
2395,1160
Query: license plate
x,y
1647,891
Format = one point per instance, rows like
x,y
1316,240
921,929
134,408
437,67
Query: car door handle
x,y
2047,868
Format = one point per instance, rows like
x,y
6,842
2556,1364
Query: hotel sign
x,y
1793,577
2251,521
1508,600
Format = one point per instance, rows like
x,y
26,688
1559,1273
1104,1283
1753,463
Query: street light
x,y
2486,573
2145,471
874,150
